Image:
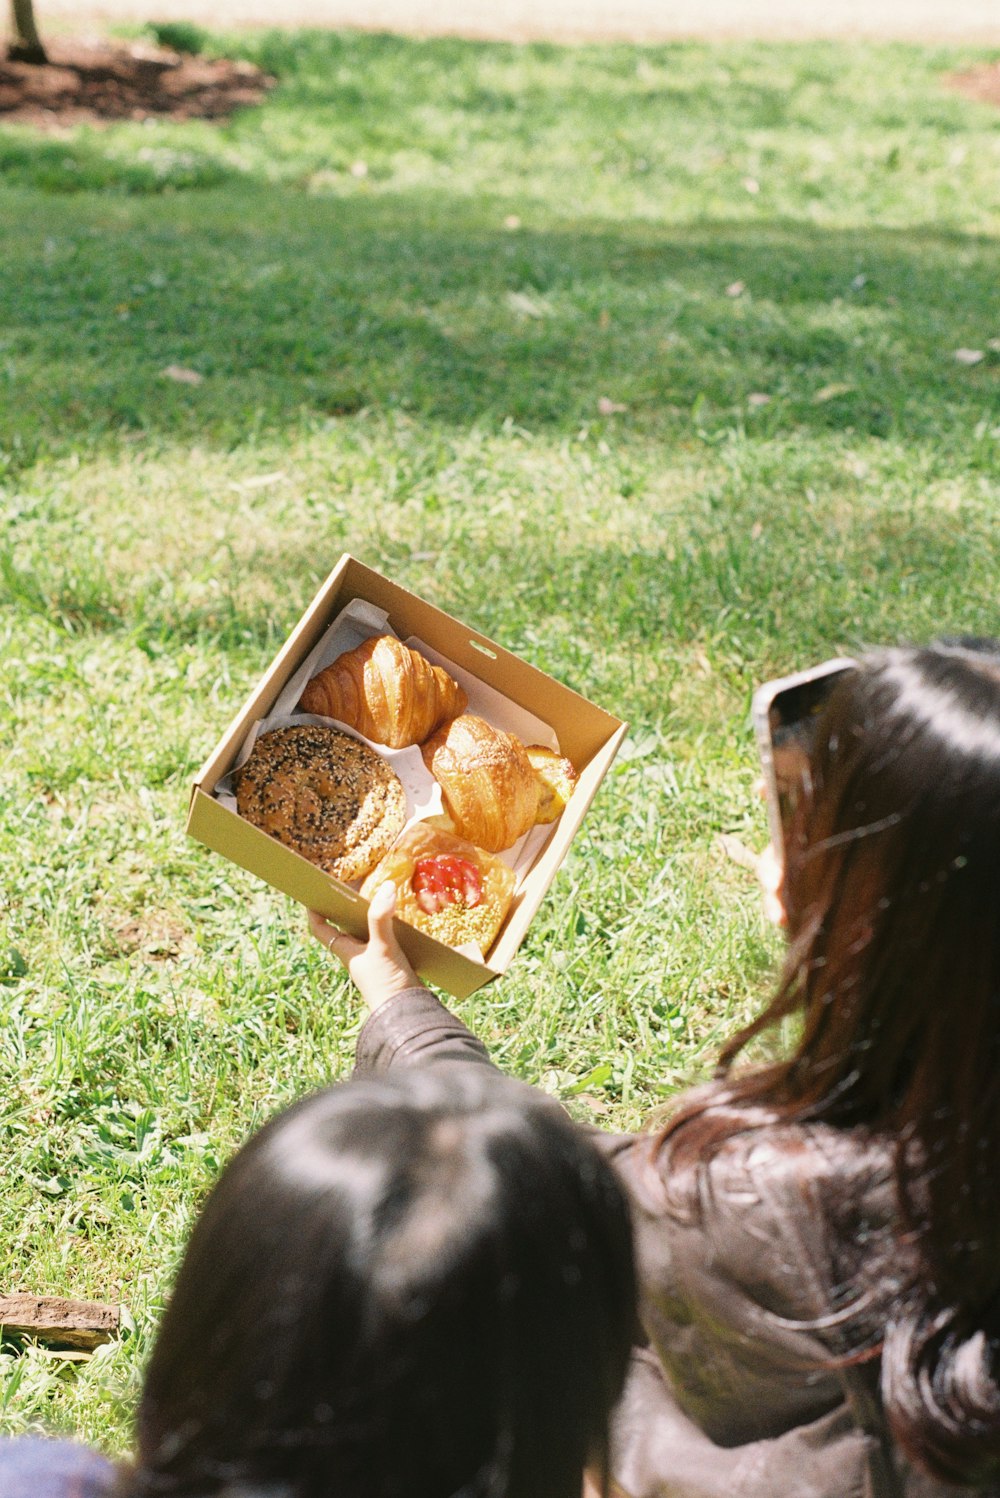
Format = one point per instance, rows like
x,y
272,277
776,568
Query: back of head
x,y
408,1288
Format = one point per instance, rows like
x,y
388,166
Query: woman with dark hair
x,y
819,1236
411,1287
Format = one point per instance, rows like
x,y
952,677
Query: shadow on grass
x,y
288,307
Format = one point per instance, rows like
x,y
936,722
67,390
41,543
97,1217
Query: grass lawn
x,y
640,360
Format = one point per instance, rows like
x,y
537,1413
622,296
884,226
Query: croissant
x,y
386,691
489,788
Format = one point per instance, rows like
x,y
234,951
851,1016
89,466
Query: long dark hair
x,y
893,895
403,1288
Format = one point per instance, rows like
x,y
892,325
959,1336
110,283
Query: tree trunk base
x,y
22,52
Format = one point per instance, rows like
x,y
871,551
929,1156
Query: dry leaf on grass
x,y
969,355
736,288
181,375
258,481
830,392
758,398
596,1105
607,407
527,306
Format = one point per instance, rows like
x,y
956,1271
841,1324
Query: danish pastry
x,y
445,886
556,779
489,788
323,794
386,691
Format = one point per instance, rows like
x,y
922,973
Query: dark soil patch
x,y
82,84
981,82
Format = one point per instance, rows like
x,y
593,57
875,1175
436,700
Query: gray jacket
x,y
734,1392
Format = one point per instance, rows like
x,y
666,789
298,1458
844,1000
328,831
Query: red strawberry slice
x,y
444,879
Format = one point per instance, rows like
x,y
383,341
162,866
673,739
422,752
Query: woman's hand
x,y
377,966
772,883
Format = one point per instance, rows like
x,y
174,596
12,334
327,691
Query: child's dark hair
x,y
414,1287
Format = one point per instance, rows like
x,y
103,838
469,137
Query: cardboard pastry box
x,y
355,602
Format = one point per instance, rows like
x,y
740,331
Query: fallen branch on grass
x,y
83,1324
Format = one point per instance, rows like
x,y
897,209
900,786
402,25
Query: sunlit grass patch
x,y
640,360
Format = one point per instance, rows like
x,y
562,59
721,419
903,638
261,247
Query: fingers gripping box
x,y
354,603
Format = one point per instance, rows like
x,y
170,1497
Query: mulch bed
x,y
86,83
92,84
981,82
